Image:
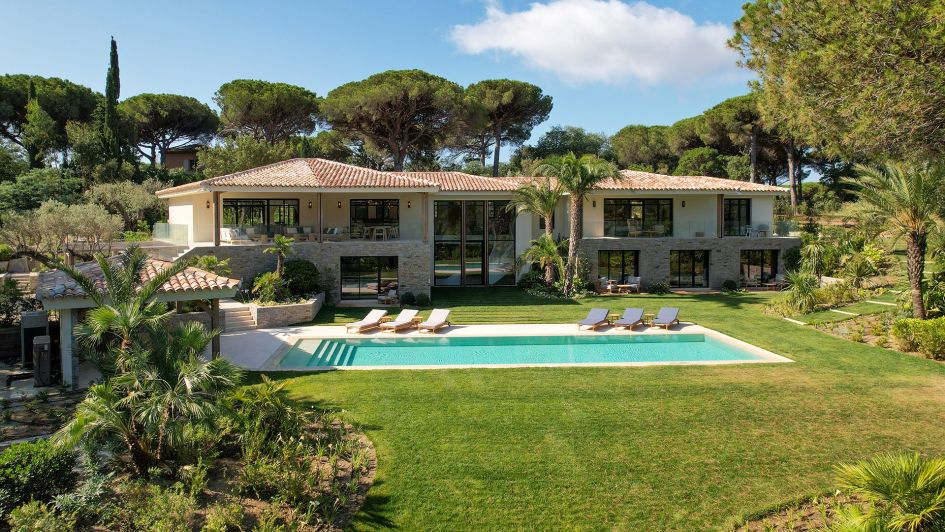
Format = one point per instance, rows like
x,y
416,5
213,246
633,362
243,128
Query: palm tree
x,y
545,251
281,246
123,304
908,199
576,176
905,492
163,386
539,197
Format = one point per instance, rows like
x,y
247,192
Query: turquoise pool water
x,y
511,350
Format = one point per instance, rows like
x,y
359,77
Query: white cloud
x,y
604,41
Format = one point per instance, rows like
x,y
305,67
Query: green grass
x,y
679,448
828,316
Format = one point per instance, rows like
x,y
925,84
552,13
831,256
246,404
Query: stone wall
x,y
724,254
268,317
414,260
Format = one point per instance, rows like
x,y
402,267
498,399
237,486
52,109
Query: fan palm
x,y
281,247
802,291
124,305
539,197
159,391
576,176
906,492
907,198
545,251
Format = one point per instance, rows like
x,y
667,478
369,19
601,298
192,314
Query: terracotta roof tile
x,y
463,182
56,284
636,180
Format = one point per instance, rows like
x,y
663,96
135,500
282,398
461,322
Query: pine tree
x,y
39,130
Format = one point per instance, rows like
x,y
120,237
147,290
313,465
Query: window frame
x,y
657,205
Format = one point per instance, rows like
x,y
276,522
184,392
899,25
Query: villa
x,y
371,231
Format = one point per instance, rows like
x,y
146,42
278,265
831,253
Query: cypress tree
x,y
109,128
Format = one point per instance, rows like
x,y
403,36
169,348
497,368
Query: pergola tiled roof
x,y
322,174
57,284
463,182
305,173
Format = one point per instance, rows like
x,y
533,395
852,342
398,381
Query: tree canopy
x,y
643,148
63,100
264,110
241,153
161,121
863,79
509,110
398,111
32,188
562,140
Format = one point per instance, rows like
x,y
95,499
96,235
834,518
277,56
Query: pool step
x,y
331,353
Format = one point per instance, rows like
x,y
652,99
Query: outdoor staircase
x,y
237,317
319,353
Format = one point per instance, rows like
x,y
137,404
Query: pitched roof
x,y
324,174
57,284
637,180
463,182
306,173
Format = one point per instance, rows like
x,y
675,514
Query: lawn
x,y
681,448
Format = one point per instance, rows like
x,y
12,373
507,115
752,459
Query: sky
x,y
606,63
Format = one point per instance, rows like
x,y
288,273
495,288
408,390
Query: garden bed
x,y
281,315
811,514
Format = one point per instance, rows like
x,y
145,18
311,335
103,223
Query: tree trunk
x,y
549,268
753,154
916,244
280,264
792,177
495,153
574,213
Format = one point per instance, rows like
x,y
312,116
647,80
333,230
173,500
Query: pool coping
x,y
330,332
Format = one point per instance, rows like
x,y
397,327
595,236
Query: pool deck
x,y
262,349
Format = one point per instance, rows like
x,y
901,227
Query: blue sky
x,y
607,63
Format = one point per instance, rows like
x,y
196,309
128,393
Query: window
x,y
736,216
367,277
759,265
689,268
618,264
473,243
638,217
261,213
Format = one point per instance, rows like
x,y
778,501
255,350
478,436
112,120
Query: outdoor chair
x,y
596,317
437,320
666,317
631,282
371,321
630,319
388,298
404,320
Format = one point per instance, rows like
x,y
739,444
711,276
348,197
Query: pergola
x,y
58,291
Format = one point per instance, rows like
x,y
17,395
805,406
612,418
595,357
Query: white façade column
x,y
70,377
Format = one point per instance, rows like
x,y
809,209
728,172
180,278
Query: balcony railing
x,y
234,234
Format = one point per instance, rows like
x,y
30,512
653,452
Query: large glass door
x,y
474,233
689,268
473,243
366,277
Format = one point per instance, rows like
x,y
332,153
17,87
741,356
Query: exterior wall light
x,y
208,204
408,204
594,203
684,204
310,205
339,204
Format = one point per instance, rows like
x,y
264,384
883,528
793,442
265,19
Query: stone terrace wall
x,y
268,317
414,260
724,254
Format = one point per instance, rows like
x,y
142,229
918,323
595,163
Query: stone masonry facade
x,y
414,260
724,254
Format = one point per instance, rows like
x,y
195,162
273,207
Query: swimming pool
x,y
446,351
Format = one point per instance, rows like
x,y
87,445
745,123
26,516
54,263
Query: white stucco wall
x,y
698,216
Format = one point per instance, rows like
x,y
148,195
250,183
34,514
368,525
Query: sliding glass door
x,y
473,243
689,268
366,277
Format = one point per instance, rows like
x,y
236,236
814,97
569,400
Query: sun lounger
x,y
630,319
437,320
666,317
597,317
404,320
371,321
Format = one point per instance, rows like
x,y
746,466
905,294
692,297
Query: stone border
x,y
273,316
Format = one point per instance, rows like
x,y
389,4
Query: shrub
x,y
221,518
857,269
35,470
212,263
792,258
301,277
268,287
37,517
730,286
802,296
149,507
659,288
135,236
531,279
925,336
12,303
407,298
6,252
84,503
423,299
